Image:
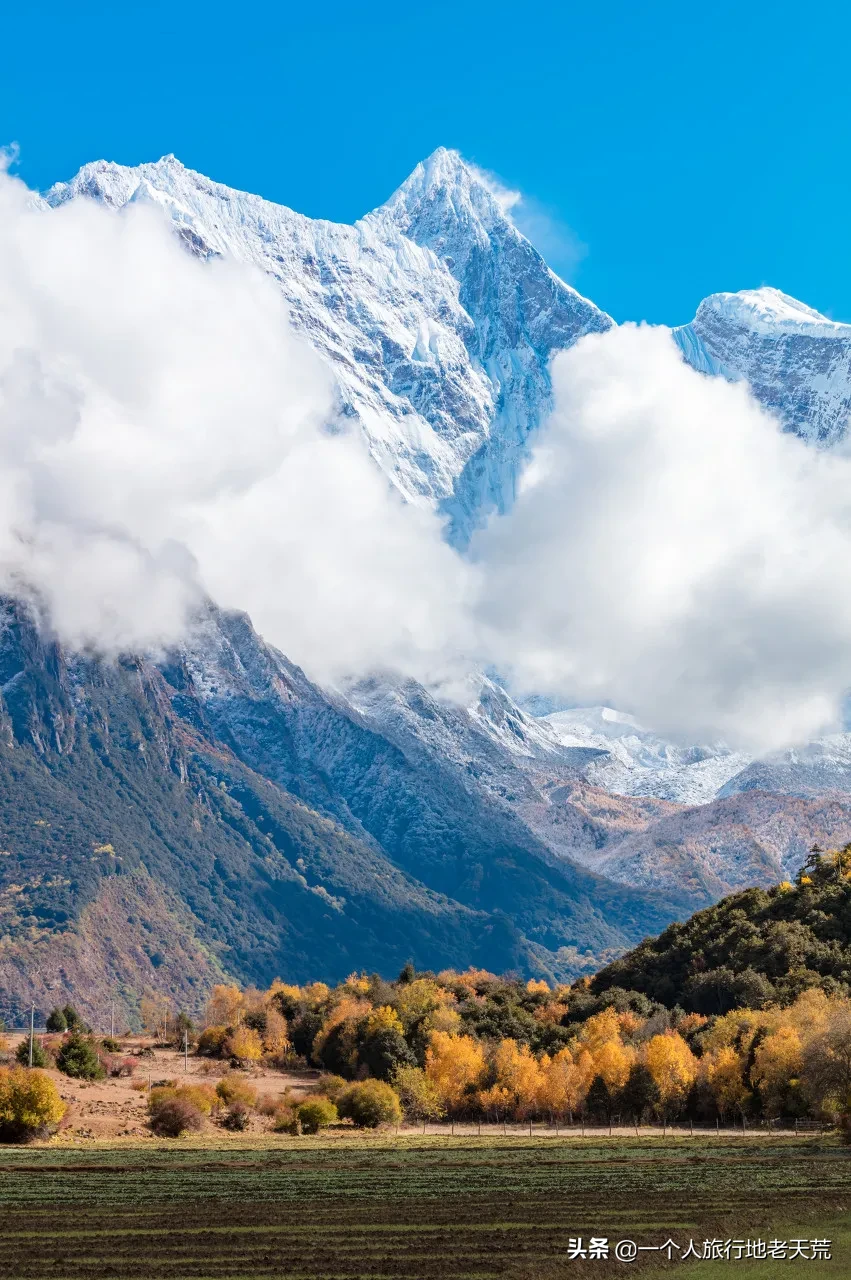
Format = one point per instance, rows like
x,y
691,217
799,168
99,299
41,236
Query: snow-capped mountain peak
x,y
436,316
446,194
768,311
797,361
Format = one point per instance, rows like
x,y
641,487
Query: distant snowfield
x,y
635,762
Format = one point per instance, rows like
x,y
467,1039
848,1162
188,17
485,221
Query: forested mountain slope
x,y
252,825
751,948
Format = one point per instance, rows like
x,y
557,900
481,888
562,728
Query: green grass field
x,y
409,1208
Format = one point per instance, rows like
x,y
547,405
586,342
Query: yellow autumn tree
x,y
673,1067
276,1040
154,1011
725,1073
776,1064
224,1006
384,1018
517,1070
357,984
601,1028
496,1102
612,1061
550,1013
565,1081
810,1013
244,1044
455,1065
416,1000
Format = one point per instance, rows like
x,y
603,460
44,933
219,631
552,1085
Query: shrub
x,y
369,1104
78,1058
41,1058
110,1045
108,1062
160,1093
210,1042
202,1096
330,1086
56,1021
30,1105
235,1088
140,1086
316,1114
268,1104
211,1067
174,1116
286,1121
123,1067
236,1116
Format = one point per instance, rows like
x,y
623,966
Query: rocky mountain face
x,y
245,822
797,362
693,849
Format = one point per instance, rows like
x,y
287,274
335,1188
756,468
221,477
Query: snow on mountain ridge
x,y
437,316
766,310
796,361
630,761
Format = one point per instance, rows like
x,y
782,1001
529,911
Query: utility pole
x,y
32,1029
185,1051
112,1021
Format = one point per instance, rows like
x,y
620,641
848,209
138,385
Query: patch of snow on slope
x,y
634,762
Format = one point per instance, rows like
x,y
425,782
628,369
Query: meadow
x,y
408,1207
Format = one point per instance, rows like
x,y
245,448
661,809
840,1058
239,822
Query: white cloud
x,y
162,435
672,551
506,198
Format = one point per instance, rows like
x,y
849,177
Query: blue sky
x,y
667,151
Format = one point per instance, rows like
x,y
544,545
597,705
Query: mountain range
x,y
169,820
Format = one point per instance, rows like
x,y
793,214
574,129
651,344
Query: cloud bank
x,y
672,551
163,435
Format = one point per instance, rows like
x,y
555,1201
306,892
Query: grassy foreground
x,y
409,1208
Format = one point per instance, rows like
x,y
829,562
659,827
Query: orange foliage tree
x,y
673,1067
456,1067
